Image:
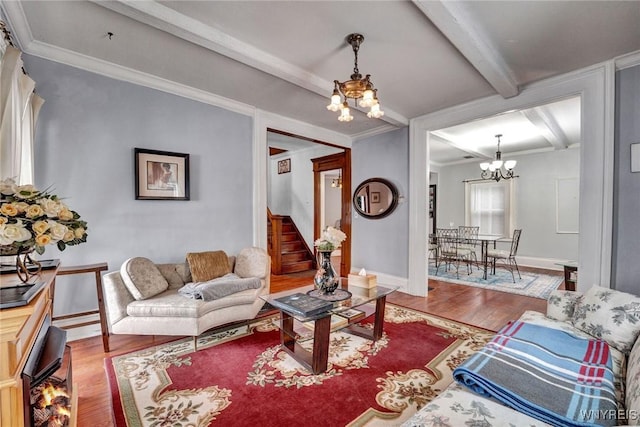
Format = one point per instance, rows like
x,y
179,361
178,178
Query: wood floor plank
x,y
480,307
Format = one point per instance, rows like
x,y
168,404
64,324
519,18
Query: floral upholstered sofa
x,y
602,313
144,298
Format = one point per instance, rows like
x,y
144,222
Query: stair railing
x,y
275,241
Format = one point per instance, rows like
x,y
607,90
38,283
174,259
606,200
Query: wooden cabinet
x,y
19,327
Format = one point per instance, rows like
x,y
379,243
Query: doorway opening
x,y
297,168
325,202
544,142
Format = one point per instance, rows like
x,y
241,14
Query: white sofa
x,y
170,313
610,315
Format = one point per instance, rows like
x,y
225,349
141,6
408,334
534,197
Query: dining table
x,y
484,240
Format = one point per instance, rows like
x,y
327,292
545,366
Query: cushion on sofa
x,y
252,262
208,265
562,304
611,315
183,271
142,278
169,271
458,406
171,304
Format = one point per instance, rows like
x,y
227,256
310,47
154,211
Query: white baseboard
x,y
523,261
88,331
546,263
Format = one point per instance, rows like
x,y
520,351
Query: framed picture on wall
x,y
284,166
375,197
161,175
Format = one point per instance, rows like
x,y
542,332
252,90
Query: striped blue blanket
x,y
545,373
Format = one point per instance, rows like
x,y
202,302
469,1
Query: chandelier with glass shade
x,y
357,88
498,169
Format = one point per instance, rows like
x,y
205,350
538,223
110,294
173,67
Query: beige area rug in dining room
x,y
531,285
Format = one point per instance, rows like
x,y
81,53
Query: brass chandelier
x,y
357,88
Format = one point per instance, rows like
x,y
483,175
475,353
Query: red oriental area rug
x,y
240,377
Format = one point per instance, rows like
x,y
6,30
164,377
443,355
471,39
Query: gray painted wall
x,y
382,245
85,137
535,200
626,232
90,124
332,202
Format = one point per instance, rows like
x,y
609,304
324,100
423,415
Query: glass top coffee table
x,y
321,314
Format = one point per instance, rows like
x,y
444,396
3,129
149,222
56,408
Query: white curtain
x,y
19,107
488,205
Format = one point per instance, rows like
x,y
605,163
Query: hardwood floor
x,y
476,306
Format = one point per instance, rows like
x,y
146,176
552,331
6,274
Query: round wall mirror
x,y
375,198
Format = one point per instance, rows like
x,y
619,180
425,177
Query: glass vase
x,y
326,279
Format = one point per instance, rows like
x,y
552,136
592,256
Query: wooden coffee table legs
x,y
378,324
316,360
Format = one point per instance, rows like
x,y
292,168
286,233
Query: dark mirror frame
x,y
394,200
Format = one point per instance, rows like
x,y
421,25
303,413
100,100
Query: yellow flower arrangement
x,y
30,218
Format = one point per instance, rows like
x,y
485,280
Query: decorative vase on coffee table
x,y
326,279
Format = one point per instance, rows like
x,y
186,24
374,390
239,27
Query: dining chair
x,y
446,232
450,252
434,247
508,258
468,235
432,244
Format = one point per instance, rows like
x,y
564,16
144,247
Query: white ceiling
x,y
553,126
282,56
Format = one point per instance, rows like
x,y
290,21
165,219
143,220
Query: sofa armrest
x,y
561,304
116,297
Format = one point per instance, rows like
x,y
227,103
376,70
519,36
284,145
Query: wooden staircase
x,y
288,250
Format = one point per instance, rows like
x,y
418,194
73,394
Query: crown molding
x,y
376,131
628,60
130,75
24,39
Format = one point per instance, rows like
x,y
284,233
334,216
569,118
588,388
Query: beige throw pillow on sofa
x,y
142,278
251,262
205,266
